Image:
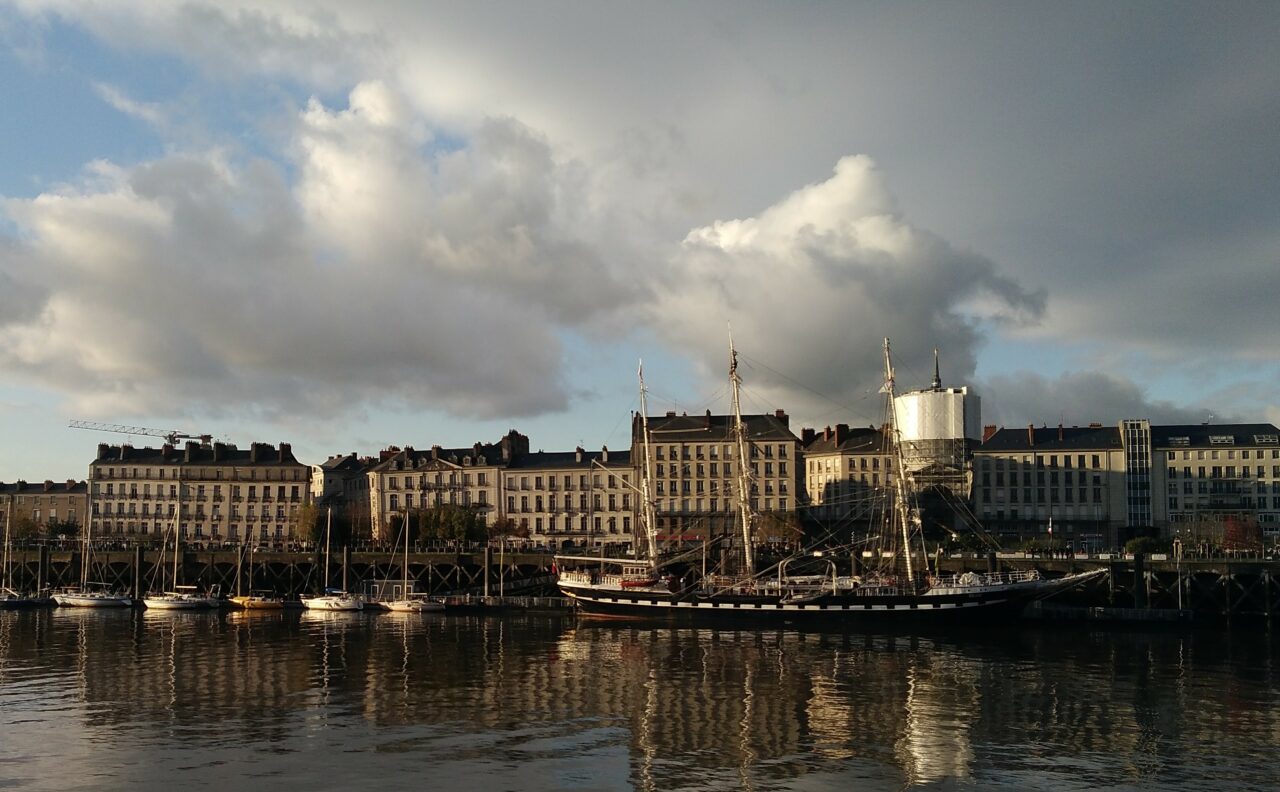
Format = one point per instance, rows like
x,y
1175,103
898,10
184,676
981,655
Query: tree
x,y
311,519
56,529
23,527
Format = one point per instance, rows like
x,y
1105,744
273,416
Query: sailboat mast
x,y
646,502
405,525
899,478
8,574
177,531
745,513
328,523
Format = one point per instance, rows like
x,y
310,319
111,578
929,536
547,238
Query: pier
x,y
1207,588
483,572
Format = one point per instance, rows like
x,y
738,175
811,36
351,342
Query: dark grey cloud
x,y
1083,397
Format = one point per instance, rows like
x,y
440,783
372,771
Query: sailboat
x,y
409,602
896,594
331,599
181,597
87,594
254,600
9,596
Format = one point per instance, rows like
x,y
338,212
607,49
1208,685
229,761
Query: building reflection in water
x,y
678,707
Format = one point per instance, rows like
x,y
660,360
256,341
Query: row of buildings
x,y
1090,486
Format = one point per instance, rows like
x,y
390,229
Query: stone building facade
x,y
42,504
222,492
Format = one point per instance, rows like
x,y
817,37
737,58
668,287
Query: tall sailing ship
x,y
815,586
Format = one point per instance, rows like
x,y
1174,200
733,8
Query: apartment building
x,y
693,474
1205,473
574,498
39,505
407,479
1106,484
848,472
223,493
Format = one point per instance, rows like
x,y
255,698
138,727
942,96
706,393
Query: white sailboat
x,y
87,594
409,602
331,599
181,597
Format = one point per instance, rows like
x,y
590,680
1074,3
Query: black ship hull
x,y
993,605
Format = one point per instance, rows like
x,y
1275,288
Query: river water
x,y
297,701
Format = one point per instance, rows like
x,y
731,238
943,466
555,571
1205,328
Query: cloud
x,y
143,111
815,281
389,272
1079,398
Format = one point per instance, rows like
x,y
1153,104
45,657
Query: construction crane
x,y
171,436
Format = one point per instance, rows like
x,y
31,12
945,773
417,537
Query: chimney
x,y
577,454
219,451
48,485
842,433
193,445
671,413
1060,433
781,415
1095,426
826,433
988,432
708,419
1031,435
71,483
286,452
435,452
604,453
103,448
807,435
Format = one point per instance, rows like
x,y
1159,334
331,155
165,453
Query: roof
x,y
196,454
1215,435
45,488
846,440
570,459
1067,438
708,428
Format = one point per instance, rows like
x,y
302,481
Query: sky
x,y
352,225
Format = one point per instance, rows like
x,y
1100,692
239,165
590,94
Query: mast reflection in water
x,y
98,699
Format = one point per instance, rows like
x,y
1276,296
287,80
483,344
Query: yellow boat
x,y
258,601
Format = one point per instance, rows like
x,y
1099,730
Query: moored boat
x,y
900,590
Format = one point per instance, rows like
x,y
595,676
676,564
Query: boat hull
x,y
332,603
989,603
257,603
179,602
78,600
414,606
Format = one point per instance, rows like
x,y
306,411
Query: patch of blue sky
x,y
56,121
57,112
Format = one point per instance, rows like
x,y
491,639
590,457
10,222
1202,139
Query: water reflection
x,y
312,698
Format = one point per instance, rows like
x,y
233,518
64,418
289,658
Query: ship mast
x,y
646,502
746,515
901,506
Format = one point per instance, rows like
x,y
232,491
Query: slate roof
x,y
855,440
569,459
196,454
1200,435
1068,438
710,428
39,488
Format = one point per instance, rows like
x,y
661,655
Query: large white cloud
x,y
815,281
389,271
